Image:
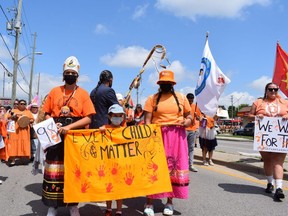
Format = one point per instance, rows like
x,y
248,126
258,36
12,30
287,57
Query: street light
x,y
15,68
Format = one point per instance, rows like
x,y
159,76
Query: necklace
x,y
65,109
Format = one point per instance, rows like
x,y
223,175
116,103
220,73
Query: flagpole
x,y
207,34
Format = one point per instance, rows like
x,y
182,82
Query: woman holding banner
x,y
172,111
272,105
71,108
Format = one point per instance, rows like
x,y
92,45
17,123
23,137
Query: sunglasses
x,y
273,89
22,103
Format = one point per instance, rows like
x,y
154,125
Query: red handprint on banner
x,y
115,168
101,172
129,178
85,186
89,174
77,172
152,165
153,178
109,187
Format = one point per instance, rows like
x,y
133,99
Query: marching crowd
x,y
72,107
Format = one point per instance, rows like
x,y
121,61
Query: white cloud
x,y
126,57
209,8
101,29
260,83
140,11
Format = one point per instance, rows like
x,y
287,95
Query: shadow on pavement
x,y
35,188
245,189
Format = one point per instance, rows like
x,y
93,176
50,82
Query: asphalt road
x,y
213,191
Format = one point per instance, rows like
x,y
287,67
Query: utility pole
x,y
17,27
38,84
32,68
232,106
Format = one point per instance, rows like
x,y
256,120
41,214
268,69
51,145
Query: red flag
x,y
280,76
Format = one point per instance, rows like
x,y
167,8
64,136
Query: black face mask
x,y
166,87
70,79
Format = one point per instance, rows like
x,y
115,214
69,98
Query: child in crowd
x,y
116,117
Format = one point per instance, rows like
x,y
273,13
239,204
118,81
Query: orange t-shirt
x,y
80,103
195,124
167,108
276,108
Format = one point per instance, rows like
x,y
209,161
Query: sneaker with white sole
x,y
193,169
74,211
205,163
148,210
168,209
211,163
52,211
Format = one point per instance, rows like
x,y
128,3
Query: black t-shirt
x,y
102,99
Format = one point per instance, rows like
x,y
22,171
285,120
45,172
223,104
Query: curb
x,y
241,166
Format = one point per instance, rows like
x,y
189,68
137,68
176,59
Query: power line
x,y
6,46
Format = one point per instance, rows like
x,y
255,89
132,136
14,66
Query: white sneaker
x,y
205,163
1,182
52,211
74,211
211,163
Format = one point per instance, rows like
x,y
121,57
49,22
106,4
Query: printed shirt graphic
x,y
211,83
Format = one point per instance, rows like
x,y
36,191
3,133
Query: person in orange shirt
x,y
139,115
271,105
192,130
18,145
207,138
116,116
171,110
71,108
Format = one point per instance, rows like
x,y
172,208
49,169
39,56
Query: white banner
x,y
271,135
46,132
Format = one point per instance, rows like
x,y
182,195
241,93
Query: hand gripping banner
x,y
120,163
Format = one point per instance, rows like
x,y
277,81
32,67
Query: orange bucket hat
x,y
166,76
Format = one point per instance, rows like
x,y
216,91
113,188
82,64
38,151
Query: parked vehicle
x,y
217,129
239,131
249,129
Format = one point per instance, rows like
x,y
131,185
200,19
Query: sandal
x,y
148,210
168,209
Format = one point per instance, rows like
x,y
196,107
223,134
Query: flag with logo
x,y
280,76
210,84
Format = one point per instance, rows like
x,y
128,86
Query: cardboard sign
x,y
120,163
271,135
46,132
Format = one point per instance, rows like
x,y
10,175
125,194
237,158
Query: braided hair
x,y
159,96
105,76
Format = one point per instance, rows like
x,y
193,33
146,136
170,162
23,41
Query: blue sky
x,y
118,35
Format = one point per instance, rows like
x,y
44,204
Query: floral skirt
x,y
176,149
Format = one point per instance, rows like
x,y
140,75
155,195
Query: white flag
x,y
211,83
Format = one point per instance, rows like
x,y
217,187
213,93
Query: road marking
x,y
215,169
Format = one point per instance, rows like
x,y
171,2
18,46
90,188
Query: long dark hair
x,y
266,87
173,93
105,76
